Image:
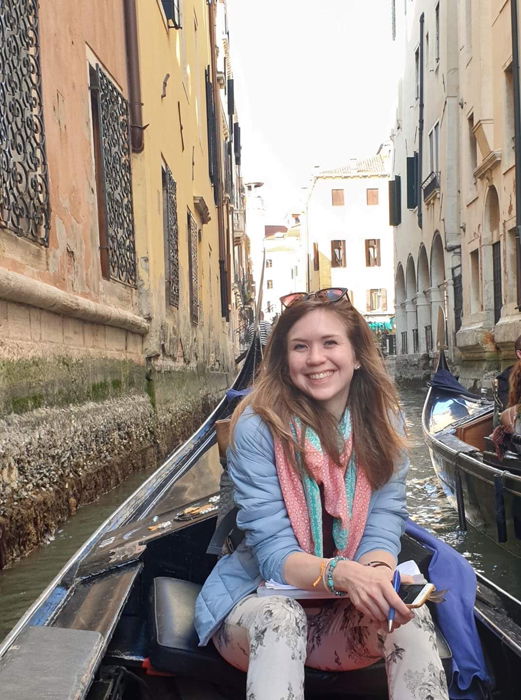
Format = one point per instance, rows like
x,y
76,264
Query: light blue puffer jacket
x,y
269,537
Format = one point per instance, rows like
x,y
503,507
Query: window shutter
x,y
412,181
231,97
368,300
237,143
395,201
384,299
210,122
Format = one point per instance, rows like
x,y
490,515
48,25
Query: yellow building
x,y
117,204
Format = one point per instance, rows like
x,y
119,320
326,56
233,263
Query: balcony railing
x,y
431,186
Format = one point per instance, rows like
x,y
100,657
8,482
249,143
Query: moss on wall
x,y
56,458
60,381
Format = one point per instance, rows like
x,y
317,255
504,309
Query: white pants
x,y
273,637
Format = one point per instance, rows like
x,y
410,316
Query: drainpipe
x,y
223,257
134,84
517,139
420,123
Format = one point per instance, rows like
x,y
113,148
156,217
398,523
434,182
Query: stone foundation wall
x,y
54,459
413,370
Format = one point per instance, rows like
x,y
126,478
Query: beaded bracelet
x,y
376,563
329,575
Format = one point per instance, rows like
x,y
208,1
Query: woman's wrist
x,y
377,562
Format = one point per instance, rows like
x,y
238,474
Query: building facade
x,y
119,181
456,270
349,240
285,267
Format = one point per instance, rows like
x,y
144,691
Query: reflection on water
x,y
21,584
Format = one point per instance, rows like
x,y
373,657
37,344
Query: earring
x,y
357,366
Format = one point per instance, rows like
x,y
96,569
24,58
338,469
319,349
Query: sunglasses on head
x,y
331,294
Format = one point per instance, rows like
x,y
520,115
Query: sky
x,y
315,85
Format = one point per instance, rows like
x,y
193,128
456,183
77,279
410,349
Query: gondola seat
x,y
173,648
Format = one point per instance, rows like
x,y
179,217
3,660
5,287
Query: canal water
x,y
23,582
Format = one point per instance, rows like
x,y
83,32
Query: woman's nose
x,y
315,355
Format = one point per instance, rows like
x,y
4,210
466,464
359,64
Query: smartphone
x,y
415,594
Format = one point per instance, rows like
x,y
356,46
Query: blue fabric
x,y
450,570
232,394
445,380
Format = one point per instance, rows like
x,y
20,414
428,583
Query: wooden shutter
x,y
395,201
412,182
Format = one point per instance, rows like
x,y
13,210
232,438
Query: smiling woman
x,y
321,360
318,466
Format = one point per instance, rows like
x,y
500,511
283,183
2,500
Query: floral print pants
x,y
273,637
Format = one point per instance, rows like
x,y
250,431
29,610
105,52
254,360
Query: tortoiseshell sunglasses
x,y
330,294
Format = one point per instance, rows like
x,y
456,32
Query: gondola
x,y
117,622
483,487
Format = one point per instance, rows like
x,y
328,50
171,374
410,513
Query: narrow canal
x,y
22,583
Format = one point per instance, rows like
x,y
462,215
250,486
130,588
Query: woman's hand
x,y
371,591
508,418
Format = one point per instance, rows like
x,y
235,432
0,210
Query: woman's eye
x,y
299,346
330,342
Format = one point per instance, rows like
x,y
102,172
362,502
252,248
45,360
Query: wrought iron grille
x,y
405,350
428,338
24,189
171,233
193,240
116,178
415,340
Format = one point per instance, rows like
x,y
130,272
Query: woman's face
x,y
321,359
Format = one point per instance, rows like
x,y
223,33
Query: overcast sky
x,y
315,85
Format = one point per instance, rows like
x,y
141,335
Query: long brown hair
x,y
372,400
514,379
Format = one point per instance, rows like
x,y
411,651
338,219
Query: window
x,y
269,284
170,236
193,267
338,253
428,338
404,342
475,293
508,151
415,340
269,262
316,259
434,141
337,198
376,300
372,252
212,134
110,133
172,12
372,196
24,189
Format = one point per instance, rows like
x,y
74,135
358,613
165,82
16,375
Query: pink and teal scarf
x,y
347,491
